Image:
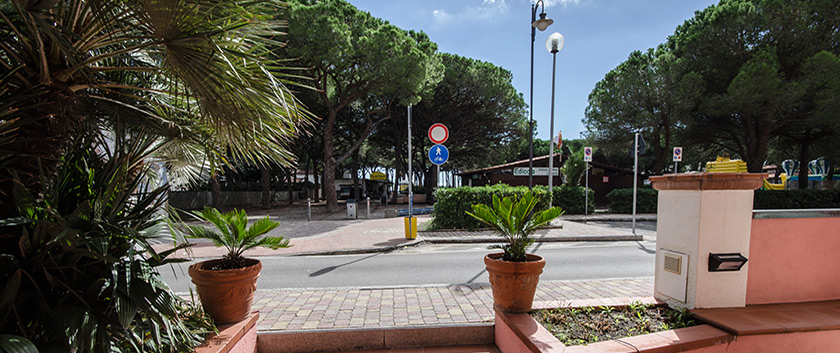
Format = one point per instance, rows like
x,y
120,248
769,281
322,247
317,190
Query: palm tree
x,y
194,73
194,80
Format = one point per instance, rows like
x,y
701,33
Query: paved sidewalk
x,y
341,308
383,234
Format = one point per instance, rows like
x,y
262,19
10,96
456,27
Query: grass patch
x,y
576,326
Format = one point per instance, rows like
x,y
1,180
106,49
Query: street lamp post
x,y
553,44
540,24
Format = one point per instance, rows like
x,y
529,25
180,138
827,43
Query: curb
x,y
355,339
471,240
540,240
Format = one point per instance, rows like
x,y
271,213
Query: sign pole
x,y
675,168
410,191
587,157
635,176
586,192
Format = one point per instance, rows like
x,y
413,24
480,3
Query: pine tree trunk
x,y
265,183
216,192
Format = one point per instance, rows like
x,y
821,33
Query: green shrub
x,y
572,198
451,204
788,199
621,200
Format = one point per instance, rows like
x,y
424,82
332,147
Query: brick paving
x,y
336,308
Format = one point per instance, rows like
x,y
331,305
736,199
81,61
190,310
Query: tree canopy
x,y
739,77
349,54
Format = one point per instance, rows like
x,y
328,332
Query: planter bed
x,y
574,326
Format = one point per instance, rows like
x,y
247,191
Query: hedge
x,y
451,204
793,199
621,200
571,199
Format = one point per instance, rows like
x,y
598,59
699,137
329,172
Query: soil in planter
x,y
576,326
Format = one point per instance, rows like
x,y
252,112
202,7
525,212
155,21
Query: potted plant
x,y
226,286
514,274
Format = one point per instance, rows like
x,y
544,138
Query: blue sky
x,y
600,34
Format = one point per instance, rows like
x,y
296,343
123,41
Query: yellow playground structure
x,y
726,165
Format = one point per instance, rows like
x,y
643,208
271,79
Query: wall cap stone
x,y
708,181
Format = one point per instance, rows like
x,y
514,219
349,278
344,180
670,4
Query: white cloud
x,y
552,3
490,9
441,16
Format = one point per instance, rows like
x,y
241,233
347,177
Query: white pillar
x,y
700,214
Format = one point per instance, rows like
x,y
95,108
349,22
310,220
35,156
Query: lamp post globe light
x,y
540,24
554,44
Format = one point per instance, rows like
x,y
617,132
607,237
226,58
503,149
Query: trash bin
x,y
351,208
413,233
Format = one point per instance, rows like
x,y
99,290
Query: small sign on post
x,y
438,133
677,154
677,158
438,154
587,154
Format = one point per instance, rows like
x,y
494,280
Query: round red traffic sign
x,y
438,133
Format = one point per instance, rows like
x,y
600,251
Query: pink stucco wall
x,y
811,342
793,260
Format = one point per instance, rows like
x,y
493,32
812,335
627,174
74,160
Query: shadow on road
x,y
645,249
329,269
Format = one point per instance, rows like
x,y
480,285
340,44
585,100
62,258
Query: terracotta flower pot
x,y
514,283
226,294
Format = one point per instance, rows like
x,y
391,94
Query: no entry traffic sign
x,y
438,133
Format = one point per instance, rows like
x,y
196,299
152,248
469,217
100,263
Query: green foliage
x,y
515,221
77,267
16,344
742,77
574,167
643,94
234,234
621,200
451,204
572,199
362,67
796,199
194,74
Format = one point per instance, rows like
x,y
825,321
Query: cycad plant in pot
x,y
226,286
514,274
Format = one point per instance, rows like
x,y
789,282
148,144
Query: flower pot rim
x,y
528,257
207,264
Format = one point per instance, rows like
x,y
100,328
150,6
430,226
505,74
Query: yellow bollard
x,y
413,233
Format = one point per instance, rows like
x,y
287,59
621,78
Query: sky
x,y
599,35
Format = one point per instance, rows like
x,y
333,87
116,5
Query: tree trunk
x,y
216,191
356,194
803,165
396,175
291,175
329,165
317,188
431,182
265,183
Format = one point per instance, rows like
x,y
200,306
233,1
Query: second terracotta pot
x,y
226,294
514,283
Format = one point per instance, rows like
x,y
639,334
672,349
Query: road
x,y
441,264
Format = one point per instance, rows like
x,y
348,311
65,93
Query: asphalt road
x,y
441,264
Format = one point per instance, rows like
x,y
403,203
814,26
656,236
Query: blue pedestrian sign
x,y
438,154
